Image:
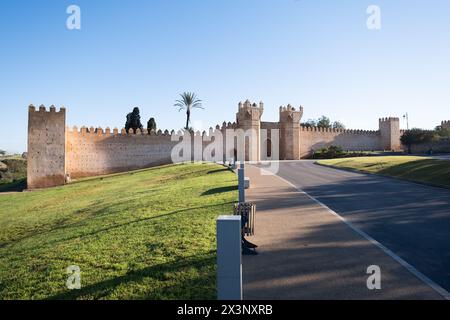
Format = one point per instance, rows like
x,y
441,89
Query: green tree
x,y
416,136
324,122
311,123
338,125
442,132
2,152
188,102
151,125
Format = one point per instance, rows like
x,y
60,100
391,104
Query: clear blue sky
x,y
317,53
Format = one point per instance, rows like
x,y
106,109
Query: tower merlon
x,y
290,114
43,109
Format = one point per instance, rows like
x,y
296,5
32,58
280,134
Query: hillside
x,y
147,234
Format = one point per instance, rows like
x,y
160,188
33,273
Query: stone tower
x,y
248,118
46,147
290,132
445,125
390,134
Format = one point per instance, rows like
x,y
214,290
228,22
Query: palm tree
x,y
188,102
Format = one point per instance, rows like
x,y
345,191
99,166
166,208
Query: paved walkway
x,y
306,252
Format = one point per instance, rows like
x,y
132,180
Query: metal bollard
x,y
229,262
241,183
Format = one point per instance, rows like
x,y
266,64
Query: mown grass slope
x,y
417,169
147,234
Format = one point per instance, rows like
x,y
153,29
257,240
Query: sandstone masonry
x,y
56,152
445,125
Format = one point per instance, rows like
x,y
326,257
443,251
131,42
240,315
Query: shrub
x,y
330,152
13,170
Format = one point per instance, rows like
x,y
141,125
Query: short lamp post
x,y
406,117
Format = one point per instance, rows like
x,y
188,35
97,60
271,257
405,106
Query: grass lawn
x,y
147,234
418,169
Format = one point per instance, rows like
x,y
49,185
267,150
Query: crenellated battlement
x,y
248,105
43,109
290,114
225,126
290,108
388,119
445,124
249,113
115,132
332,130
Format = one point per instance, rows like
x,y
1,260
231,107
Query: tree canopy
x,y
442,132
323,122
188,102
416,135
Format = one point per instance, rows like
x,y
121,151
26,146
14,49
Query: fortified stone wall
x,y
95,151
445,125
92,151
290,138
248,118
56,152
390,134
267,152
441,146
46,144
312,139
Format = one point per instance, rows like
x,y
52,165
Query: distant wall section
x,y
312,139
92,151
441,146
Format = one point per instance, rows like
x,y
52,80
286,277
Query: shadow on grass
x,y
431,171
218,170
61,227
14,186
219,190
201,286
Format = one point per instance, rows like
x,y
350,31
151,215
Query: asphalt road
x,y
410,219
442,157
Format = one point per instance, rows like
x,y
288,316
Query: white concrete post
x,y
229,263
241,183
